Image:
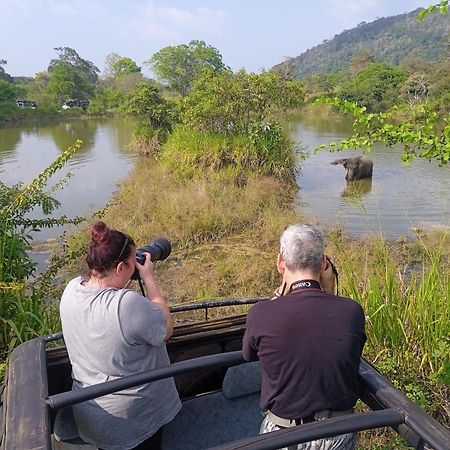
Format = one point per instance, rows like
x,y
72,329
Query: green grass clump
x,y
194,154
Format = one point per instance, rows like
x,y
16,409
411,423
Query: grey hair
x,y
301,247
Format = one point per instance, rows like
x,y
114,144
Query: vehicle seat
x,y
212,419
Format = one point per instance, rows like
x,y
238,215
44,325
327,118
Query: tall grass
x,y
263,151
224,236
407,310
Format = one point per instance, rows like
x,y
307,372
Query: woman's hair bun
x,y
99,232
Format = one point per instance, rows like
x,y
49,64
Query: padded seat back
x,y
220,417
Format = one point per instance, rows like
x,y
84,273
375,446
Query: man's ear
x,y
324,263
280,264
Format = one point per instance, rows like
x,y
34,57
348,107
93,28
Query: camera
x,y
159,250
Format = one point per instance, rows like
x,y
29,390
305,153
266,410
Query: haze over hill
x,y
388,39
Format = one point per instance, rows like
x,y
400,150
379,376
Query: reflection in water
x,y
9,140
356,189
66,133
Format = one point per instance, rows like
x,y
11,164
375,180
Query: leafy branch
x,y
427,135
442,7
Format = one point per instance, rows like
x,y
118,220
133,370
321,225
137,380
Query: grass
x,y
224,236
197,154
407,313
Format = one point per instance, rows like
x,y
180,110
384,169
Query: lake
x,y
398,198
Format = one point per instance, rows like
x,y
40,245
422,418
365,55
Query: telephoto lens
x,y
159,250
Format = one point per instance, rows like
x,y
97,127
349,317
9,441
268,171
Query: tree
x,y
8,92
70,57
319,84
416,88
233,103
118,66
66,82
3,75
376,86
178,66
360,61
125,66
148,105
442,7
71,76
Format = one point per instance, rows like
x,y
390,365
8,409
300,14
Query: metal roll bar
x,y
315,430
394,408
70,398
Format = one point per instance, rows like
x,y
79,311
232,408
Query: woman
x,y
110,332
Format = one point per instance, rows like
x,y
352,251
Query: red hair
x,y
107,248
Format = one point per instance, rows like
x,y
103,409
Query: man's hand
x,y
327,278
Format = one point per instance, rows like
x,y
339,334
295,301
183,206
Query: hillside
x,y
388,39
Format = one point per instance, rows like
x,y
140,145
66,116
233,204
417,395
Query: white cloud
x,y
150,22
63,9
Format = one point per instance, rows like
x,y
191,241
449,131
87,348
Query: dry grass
x,y
224,236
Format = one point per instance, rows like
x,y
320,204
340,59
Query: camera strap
x,y
304,284
336,274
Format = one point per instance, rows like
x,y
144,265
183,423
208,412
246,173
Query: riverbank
x,y
12,115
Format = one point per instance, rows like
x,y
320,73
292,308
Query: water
x,y
97,168
396,201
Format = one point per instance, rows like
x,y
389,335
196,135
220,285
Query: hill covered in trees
x,y
388,39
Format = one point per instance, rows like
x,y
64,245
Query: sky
x,y
249,34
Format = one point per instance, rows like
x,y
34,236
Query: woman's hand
x,y
145,270
154,294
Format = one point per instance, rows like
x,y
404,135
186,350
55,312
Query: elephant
x,y
358,167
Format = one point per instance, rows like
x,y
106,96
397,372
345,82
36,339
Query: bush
x,y
23,311
263,151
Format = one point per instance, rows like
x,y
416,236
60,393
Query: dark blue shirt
x,y
309,344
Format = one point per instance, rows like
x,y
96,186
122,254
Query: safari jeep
x,y
219,391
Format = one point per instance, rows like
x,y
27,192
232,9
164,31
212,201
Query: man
x,y
309,342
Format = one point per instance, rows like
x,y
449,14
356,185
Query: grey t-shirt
x,y
111,333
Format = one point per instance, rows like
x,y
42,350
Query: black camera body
x,y
159,250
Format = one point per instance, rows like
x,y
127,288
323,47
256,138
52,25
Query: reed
x,y
407,310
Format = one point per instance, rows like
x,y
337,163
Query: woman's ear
x,y
120,267
280,264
